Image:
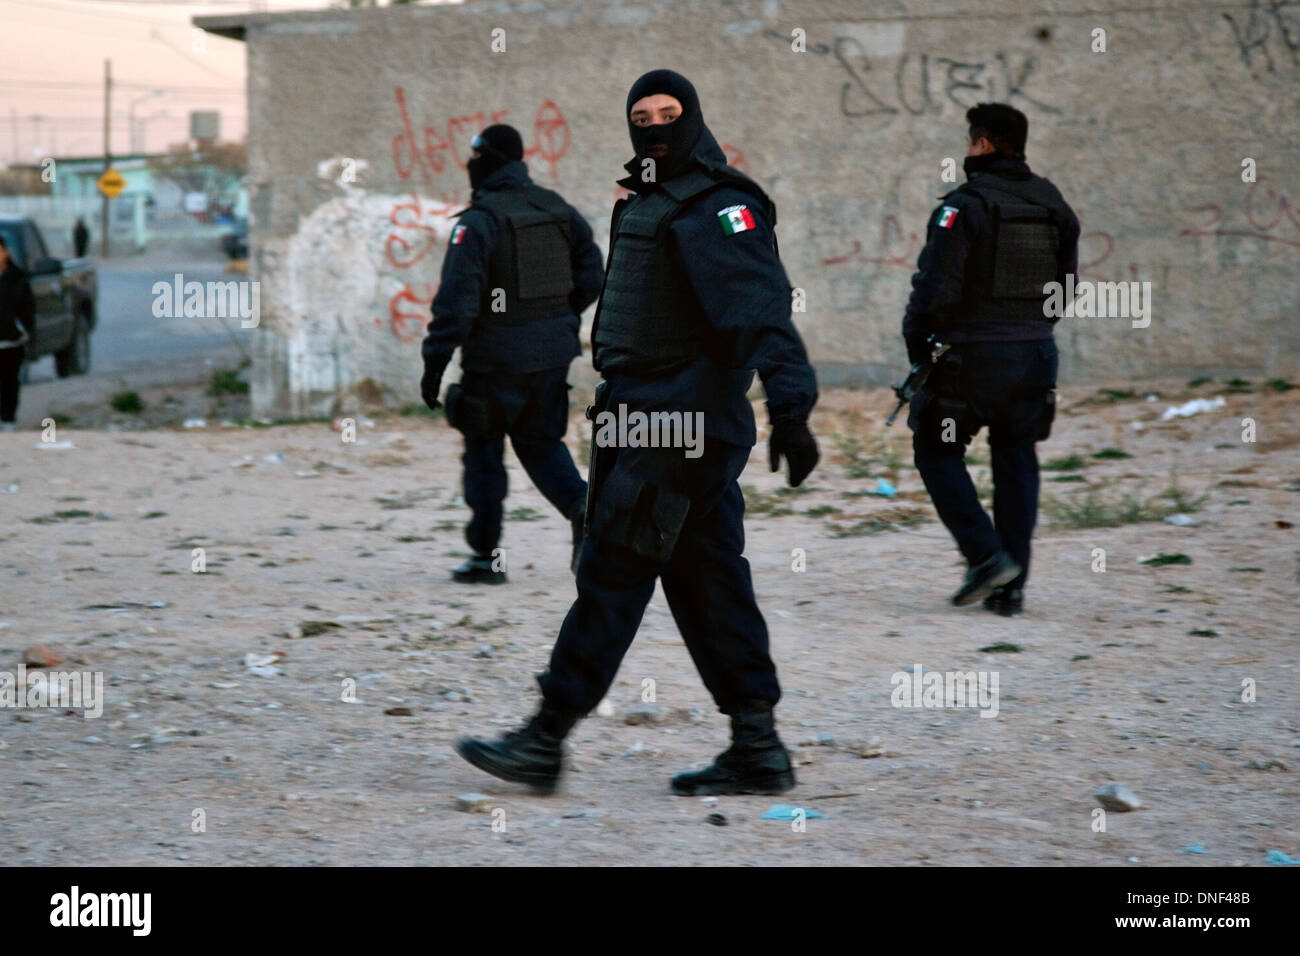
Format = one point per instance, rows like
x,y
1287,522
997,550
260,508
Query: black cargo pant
x,y
533,409
1009,387
705,579
11,361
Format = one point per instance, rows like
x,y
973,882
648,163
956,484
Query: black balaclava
x,y
497,145
680,136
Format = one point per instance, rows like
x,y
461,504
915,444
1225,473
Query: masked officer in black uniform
x,y
520,267
695,301
991,247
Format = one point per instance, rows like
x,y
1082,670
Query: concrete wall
x,y
1146,140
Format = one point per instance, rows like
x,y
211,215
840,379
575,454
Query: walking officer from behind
x,y
991,248
520,268
695,301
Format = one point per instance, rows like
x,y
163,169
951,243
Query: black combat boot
x,y
982,578
1005,601
756,761
532,755
478,570
577,521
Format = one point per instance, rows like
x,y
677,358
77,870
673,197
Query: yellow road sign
x,y
111,183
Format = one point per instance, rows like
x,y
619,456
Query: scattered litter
x,y
885,488
874,747
195,423
474,802
1137,426
11,489
38,655
1182,521
253,659
224,684
307,474
246,462
1117,797
780,811
603,709
645,714
709,801
1194,407
399,712
1283,524
1258,764
717,819
124,605
56,445
264,671
1194,848
273,459
1278,858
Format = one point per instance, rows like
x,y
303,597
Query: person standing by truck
x,y
17,315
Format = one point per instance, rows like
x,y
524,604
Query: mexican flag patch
x,y
457,235
736,219
947,216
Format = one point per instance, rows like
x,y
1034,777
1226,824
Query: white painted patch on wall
x,y
335,281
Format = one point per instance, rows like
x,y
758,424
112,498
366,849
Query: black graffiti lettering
x,y
1252,39
1014,86
857,81
927,103
970,82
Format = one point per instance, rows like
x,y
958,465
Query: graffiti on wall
x,y
419,223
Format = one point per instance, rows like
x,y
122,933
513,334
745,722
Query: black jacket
x,y
493,347
17,304
954,267
745,295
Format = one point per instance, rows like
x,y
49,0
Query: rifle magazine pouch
x,y
644,516
1026,248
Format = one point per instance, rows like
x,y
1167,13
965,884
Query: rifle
x,y
907,390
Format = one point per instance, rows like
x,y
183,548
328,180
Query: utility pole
x,y
108,155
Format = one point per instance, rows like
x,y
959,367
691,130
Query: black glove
x,y
795,442
429,385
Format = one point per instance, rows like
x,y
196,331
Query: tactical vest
x,y
1007,277
649,316
531,261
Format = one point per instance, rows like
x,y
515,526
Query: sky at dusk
x,y
52,56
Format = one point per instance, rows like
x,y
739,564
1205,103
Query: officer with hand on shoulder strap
x,y
520,267
991,248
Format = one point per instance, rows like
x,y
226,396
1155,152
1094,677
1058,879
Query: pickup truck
x,y
66,291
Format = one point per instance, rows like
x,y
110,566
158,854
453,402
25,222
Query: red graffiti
x,y
1264,211
406,325
735,158
550,136
897,250
435,150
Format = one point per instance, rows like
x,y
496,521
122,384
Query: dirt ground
x,y
332,558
